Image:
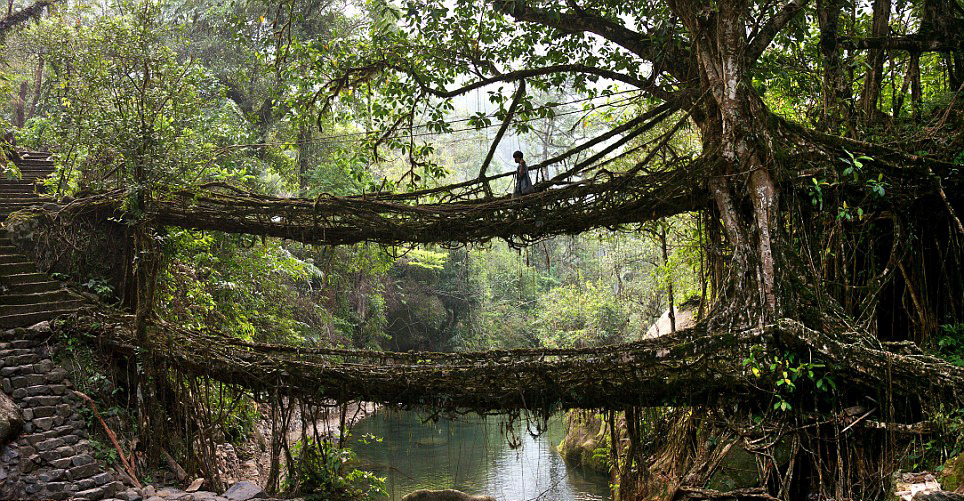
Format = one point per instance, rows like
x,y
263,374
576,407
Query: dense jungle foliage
x,y
219,106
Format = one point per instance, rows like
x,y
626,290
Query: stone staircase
x,y
51,458
26,296
17,194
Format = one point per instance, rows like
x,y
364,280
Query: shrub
x,y
323,472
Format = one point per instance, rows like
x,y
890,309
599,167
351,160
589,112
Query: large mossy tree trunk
x,y
736,129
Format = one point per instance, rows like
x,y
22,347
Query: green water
x,y
472,455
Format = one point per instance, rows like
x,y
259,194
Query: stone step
x,y
36,165
27,191
18,198
21,199
8,249
10,189
30,173
28,319
16,352
34,162
21,344
11,258
7,184
17,360
20,309
30,176
34,170
50,296
44,285
7,209
19,334
13,180
19,204
15,279
17,268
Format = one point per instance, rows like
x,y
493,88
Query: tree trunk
x,y
836,92
304,154
875,59
37,86
916,96
19,106
735,122
669,286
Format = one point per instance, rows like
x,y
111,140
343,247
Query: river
x,y
470,454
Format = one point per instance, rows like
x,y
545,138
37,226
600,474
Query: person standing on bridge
x,y
523,184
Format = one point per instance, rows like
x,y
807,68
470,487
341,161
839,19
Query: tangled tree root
x,y
690,367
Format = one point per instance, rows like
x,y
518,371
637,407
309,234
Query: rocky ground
x,y
240,491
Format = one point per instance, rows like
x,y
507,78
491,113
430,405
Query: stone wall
x,y
81,247
51,458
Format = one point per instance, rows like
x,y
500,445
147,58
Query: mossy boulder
x,y
952,475
737,470
586,443
11,419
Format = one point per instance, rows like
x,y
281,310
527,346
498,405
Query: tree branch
x,y
583,21
498,136
913,43
23,15
770,30
513,76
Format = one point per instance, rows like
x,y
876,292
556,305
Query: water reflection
x,y
471,454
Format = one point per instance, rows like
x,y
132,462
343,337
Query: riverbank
x,y
332,422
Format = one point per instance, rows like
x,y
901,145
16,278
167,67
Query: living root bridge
x,y
689,367
608,201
